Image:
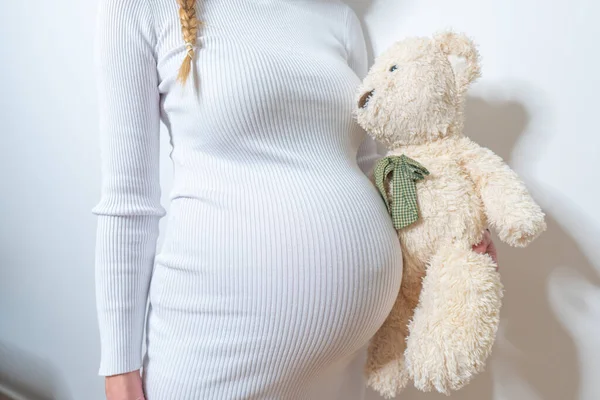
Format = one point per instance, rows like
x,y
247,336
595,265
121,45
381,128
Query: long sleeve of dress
x,y
129,209
368,152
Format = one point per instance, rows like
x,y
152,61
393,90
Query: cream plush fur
x,y
443,324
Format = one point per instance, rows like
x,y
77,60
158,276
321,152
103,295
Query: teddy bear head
x,y
415,91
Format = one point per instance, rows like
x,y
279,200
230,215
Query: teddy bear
x,y
442,190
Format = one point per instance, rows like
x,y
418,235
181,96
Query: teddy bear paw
x,y
523,233
433,367
390,379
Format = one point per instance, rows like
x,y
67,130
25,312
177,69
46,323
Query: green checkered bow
x,y
405,173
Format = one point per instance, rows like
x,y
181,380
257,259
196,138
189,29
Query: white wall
x,y
533,104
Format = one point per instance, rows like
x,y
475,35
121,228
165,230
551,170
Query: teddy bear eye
x,y
393,68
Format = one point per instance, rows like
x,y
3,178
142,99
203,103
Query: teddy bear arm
x,y
508,206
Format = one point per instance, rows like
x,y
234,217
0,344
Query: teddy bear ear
x,y
463,56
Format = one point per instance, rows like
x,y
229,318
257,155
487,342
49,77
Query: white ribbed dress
x,y
279,259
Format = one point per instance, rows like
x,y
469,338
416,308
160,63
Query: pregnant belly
x,y
286,270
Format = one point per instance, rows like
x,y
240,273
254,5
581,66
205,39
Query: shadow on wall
x,y
25,376
535,356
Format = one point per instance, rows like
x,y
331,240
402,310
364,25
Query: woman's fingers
x,y
482,246
487,246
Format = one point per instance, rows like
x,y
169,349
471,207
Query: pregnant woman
x,y
279,259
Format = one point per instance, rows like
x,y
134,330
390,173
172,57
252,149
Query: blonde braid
x,y
189,30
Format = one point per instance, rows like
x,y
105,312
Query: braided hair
x,y
189,30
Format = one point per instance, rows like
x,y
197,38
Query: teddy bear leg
x,y
455,323
385,368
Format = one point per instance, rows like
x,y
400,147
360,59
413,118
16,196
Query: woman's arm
x,y
368,152
129,208
367,155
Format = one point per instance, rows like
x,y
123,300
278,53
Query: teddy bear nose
x,y
364,99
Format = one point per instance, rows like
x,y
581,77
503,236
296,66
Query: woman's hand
x,y
126,386
486,246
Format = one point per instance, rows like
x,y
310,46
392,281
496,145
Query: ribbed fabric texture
x,y
279,260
